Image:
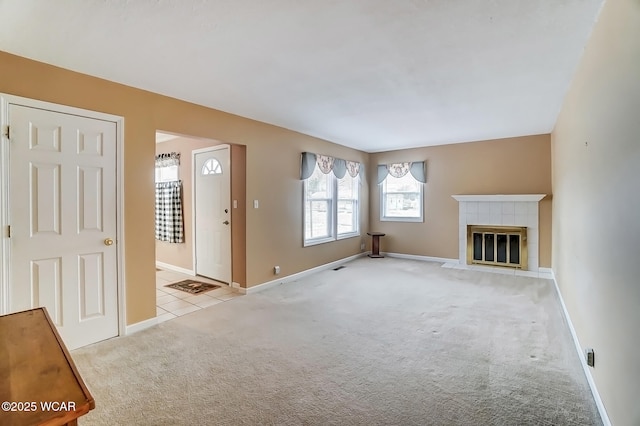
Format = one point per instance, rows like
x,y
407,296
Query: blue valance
x,y
327,164
398,170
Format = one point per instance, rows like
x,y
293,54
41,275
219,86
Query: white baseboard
x,y
544,273
139,326
299,275
583,362
238,287
422,258
166,266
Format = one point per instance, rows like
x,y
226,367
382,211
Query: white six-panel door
x,y
212,187
62,213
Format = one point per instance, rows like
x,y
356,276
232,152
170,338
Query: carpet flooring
x,y
379,342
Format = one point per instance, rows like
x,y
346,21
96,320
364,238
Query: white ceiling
x,y
371,74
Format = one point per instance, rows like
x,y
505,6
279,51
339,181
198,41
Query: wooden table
x,y
38,378
375,243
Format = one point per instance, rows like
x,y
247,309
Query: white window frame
x,y
333,217
356,207
385,218
211,167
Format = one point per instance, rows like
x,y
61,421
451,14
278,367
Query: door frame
x,y
5,247
193,205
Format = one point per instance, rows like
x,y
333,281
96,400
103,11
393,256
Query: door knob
x,y
226,222
108,242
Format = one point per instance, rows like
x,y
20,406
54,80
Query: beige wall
x,y
505,166
273,232
239,215
596,209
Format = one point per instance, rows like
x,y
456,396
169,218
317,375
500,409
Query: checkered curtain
x,y
169,225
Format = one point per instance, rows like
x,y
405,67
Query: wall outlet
x,y
361,246
590,357
276,270
256,204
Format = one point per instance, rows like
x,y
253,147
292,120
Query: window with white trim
x,y
318,207
167,167
211,167
331,205
166,173
402,192
348,198
401,199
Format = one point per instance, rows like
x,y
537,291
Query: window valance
x,y
168,159
327,164
398,170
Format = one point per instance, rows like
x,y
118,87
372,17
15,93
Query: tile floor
x,y
171,303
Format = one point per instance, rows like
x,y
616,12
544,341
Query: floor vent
x,y
338,268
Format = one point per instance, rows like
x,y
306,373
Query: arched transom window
x,y
211,167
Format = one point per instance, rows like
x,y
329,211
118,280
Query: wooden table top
x,y
35,370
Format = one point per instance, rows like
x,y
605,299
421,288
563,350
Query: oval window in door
x,y
211,167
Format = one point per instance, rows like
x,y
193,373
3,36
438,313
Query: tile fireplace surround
x,y
503,210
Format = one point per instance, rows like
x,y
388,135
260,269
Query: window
x,y
330,207
401,194
167,167
348,194
166,173
318,190
169,223
211,167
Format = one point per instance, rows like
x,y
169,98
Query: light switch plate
x,y
255,204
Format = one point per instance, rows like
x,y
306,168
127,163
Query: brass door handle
x,y
226,222
108,242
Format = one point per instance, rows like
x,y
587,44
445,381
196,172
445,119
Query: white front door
x,y
212,199
62,216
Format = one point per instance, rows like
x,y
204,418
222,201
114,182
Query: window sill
x,y
317,241
402,219
308,243
349,235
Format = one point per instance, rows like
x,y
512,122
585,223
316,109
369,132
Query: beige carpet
x,y
380,342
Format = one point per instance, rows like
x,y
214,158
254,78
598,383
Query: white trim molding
x,y
168,267
294,277
142,325
420,258
501,198
447,263
540,273
238,287
587,372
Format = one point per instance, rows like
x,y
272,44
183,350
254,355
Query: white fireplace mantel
x,y
500,209
501,197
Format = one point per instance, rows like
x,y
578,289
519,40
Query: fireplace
x,y
504,246
502,222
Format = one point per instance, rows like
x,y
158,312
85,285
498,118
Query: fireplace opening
x,y
497,246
